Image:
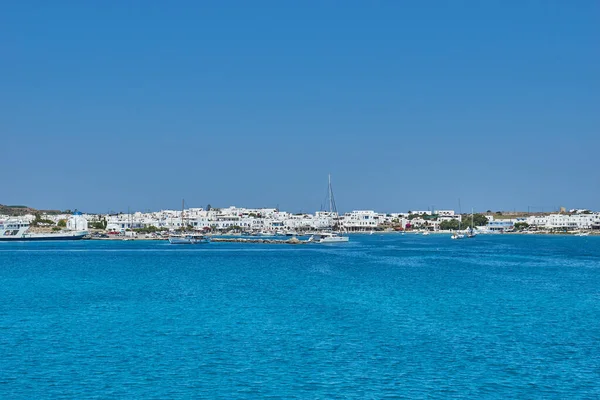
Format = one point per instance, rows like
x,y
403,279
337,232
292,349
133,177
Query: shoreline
x,y
279,239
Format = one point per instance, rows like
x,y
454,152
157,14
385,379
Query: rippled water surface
x,y
382,316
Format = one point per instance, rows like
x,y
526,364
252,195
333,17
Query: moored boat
x,y
457,235
331,236
14,230
328,237
188,239
471,231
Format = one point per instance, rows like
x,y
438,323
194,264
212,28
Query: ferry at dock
x,y
15,230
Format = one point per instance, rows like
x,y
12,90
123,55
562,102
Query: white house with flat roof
x,y
564,221
77,222
445,213
361,220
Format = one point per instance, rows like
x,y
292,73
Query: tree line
x,y
467,222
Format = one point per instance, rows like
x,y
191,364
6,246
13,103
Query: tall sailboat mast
x,y
331,236
182,208
331,204
460,215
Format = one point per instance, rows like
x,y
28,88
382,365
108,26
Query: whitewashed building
x,y
77,222
564,221
361,220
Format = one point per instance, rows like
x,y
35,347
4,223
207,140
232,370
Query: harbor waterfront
x,y
330,225
499,316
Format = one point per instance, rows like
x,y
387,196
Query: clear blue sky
x,y
407,104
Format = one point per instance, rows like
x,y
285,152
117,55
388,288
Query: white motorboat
x,y
188,239
328,237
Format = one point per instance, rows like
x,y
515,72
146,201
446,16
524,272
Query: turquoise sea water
x,y
382,316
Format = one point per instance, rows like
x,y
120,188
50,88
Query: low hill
x,y
16,211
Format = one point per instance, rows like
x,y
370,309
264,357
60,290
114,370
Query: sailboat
x,y
330,236
471,233
186,238
458,234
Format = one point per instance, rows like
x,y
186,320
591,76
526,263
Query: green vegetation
x,y
233,228
55,229
449,225
423,216
62,223
38,221
521,225
478,220
180,229
99,224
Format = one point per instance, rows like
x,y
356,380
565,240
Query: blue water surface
x,y
386,315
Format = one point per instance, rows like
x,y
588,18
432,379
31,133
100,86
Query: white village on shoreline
x,y
271,221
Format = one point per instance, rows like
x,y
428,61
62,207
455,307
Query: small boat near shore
x,y
328,237
188,239
471,231
457,235
331,236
